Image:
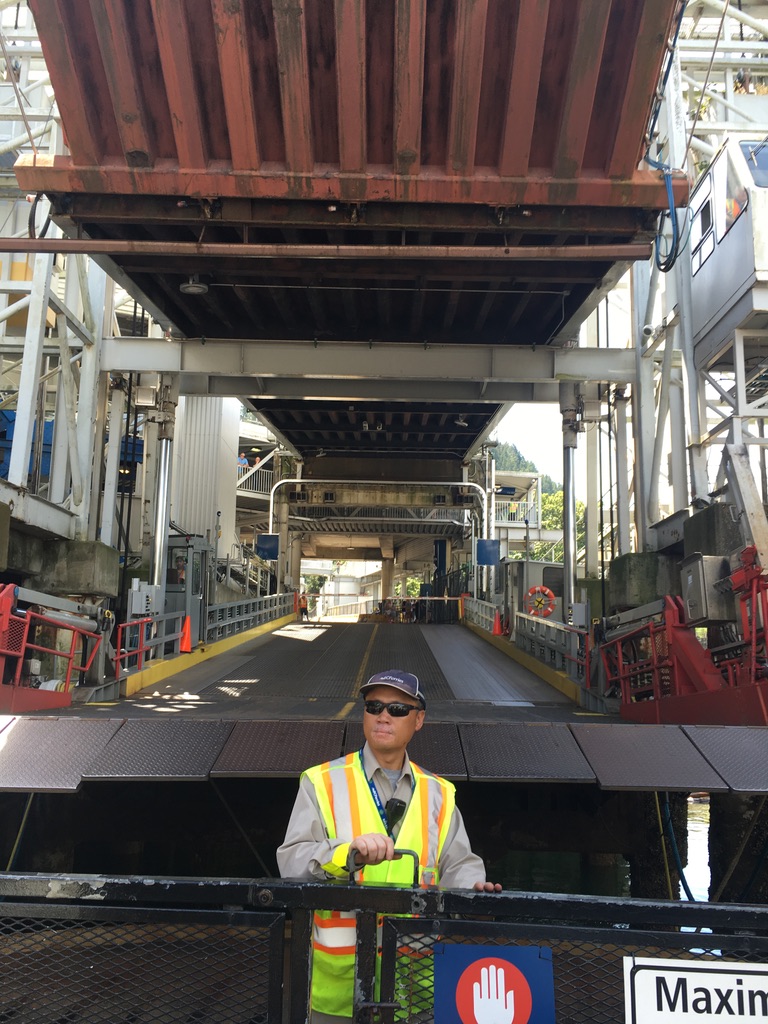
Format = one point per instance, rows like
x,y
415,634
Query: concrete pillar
x,y
281,499
387,577
295,561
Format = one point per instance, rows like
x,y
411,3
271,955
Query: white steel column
x,y
622,472
31,366
677,462
569,411
295,563
112,473
87,411
148,490
166,417
643,296
662,411
592,440
679,281
65,466
283,550
58,481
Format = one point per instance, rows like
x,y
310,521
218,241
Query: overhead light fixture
x,y
460,421
364,425
194,286
320,453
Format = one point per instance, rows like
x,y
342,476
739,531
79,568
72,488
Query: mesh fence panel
x,y
588,973
124,972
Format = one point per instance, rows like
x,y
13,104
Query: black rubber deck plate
x,y
404,647
50,755
738,753
435,747
523,752
176,751
277,748
645,757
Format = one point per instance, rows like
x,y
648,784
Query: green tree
x,y
412,587
552,519
507,457
314,584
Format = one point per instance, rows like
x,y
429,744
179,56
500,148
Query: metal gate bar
x,y
104,950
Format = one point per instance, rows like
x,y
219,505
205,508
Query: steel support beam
x,y
31,367
282,251
335,361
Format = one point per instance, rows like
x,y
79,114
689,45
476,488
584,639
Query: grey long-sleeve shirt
x,y
307,847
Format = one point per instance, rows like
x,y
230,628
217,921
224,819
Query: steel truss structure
x,y
66,355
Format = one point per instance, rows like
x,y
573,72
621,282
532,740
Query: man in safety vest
x,y
351,813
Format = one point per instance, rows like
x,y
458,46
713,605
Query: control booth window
x,y
702,224
756,155
732,197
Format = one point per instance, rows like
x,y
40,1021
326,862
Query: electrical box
x,y
705,599
580,614
143,600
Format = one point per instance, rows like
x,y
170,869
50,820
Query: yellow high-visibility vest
x,y
348,810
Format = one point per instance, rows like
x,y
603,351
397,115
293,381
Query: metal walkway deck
x,y
314,671
290,699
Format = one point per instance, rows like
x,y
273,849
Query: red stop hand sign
x,y
493,991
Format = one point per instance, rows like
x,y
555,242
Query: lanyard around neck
x,y
375,795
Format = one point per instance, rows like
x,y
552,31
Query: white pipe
x,y
716,96
19,140
737,15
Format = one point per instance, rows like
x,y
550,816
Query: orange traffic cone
x,y
185,641
497,624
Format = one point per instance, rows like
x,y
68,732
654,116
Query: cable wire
x,y
665,261
675,851
663,848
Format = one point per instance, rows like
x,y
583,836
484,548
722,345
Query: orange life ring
x,y
540,601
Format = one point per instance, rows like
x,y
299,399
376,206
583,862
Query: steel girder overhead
x,y
419,174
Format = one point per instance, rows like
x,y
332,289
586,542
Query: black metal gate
x,y
82,950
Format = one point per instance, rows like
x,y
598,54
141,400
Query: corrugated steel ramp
x,y
258,713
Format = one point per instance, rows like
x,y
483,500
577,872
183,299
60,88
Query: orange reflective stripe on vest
x,y
348,810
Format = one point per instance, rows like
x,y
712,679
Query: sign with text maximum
x,y
694,991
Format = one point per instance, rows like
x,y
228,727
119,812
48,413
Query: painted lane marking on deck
x,y
361,672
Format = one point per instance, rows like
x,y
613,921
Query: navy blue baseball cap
x,y
406,682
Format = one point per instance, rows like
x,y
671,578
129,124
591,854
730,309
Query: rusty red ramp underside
x,y
498,102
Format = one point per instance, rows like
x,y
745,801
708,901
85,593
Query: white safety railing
x,y
558,645
236,616
480,613
516,512
362,607
256,481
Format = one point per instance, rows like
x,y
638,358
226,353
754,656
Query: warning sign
x,y
494,985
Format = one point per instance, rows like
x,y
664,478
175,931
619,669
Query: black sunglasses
x,y
396,709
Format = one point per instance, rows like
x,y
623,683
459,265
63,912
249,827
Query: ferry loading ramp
x,y
365,220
